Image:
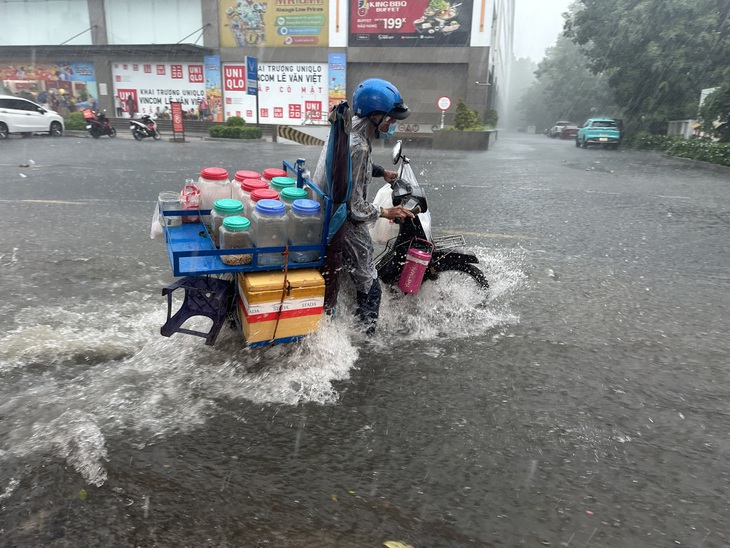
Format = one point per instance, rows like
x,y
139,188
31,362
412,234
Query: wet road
x,y
583,404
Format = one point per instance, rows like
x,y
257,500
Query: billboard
x,y
269,23
154,86
410,22
293,93
36,80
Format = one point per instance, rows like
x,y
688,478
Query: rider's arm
x,y
360,209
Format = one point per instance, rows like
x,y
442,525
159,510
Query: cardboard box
x,y
260,303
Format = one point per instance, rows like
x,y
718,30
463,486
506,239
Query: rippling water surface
x,y
581,402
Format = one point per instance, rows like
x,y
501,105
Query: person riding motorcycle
x,y
377,105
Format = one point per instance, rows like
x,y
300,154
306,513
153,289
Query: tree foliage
x,y
566,89
715,113
465,117
658,54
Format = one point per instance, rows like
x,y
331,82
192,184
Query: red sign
x,y
177,118
234,77
176,72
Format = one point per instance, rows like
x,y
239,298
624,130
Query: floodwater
x,y
582,402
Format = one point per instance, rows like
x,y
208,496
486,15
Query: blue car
x,y
599,131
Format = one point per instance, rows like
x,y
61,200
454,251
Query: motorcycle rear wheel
x,y
456,273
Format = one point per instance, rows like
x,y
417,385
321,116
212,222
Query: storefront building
x,y
270,62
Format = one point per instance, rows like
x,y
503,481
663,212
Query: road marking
x,y
492,235
675,197
48,202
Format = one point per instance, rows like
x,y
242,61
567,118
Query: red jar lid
x,y
272,172
264,194
246,174
249,185
214,173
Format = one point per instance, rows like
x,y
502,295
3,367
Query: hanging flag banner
x,y
211,108
337,78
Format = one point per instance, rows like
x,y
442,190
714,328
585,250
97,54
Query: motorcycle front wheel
x,y
137,135
95,134
112,132
157,135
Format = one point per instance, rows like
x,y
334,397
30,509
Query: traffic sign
x,y
444,103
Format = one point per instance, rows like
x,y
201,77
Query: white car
x,y
18,115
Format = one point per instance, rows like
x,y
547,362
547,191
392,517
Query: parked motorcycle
x,y
144,127
99,125
414,255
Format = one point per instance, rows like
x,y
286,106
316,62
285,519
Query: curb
x,y
698,163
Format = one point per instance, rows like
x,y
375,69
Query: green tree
x,y
658,54
566,89
715,113
465,117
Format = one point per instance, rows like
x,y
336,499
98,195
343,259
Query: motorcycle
x,y
99,125
413,245
144,127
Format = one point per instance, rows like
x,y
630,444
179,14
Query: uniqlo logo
x,y
249,114
228,101
125,66
278,112
264,112
147,69
295,111
195,74
176,72
161,70
234,78
135,67
314,109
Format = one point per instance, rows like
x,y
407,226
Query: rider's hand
x,y
390,176
396,213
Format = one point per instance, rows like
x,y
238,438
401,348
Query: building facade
x,y
269,61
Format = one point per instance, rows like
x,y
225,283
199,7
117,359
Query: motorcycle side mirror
x,y
397,149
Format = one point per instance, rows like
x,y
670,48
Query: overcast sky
x,y
537,25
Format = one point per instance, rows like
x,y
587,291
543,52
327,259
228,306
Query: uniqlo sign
x,y
313,109
295,111
195,74
234,77
176,72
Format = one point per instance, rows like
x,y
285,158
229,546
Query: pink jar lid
x,y
272,172
214,173
246,174
264,194
249,185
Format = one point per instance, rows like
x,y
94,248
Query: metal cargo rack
x,y
207,291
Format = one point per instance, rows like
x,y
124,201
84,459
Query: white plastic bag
x,y
156,230
383,229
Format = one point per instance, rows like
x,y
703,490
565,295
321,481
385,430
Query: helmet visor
x,y
400,111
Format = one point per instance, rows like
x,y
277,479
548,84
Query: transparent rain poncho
x,y
358,253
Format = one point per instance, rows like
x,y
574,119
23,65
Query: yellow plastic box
x,y
260,303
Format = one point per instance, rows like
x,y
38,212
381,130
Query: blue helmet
x,y
378,95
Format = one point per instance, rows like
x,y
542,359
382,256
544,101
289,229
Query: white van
x,y
18,115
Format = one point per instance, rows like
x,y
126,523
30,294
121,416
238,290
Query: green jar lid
x,y
279,183
228,206
236,223
290,194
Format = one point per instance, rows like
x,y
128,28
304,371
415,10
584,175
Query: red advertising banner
x,y
177,117
410,22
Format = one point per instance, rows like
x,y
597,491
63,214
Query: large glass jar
x,y
235,233
226,207
305,228
269,229
271,172
214,185
288,195
243,191
280,183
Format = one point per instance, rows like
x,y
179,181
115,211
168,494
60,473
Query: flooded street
x,y
582,403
